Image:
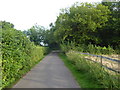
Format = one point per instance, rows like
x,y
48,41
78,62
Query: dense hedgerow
x,y
19,54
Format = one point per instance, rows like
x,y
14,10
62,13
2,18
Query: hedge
x,y
19,54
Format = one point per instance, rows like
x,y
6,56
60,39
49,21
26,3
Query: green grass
x,y
83,78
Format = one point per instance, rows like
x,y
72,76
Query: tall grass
x,y
95,70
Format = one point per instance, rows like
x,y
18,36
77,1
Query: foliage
x,y
46,50
36,34
110,33
84,27
82,77
80,23
95,71
5,25
41,36
50,39
93,49
18,54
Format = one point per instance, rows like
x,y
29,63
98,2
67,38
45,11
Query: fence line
x,y
104,66
115,60
102,57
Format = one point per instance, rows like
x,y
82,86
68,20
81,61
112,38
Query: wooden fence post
x,y
101,61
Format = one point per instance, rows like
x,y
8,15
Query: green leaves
x,y
19,54
80,22
36,34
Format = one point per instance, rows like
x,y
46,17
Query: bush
x,y
78,60
65,47
18,55
93,49
46,50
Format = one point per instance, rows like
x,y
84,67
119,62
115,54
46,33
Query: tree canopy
x,y
80,23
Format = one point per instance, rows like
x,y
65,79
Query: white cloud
x,y
25,13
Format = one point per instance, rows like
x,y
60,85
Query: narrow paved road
x,y
49,73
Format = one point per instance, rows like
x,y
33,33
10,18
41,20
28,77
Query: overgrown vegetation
x,y
84,27
19,54
94,70
83,78
93,49
41,36
95,25
89,23
87,28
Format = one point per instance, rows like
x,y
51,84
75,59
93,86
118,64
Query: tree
x,y
49,37
111,30
80,23
36,34
6,25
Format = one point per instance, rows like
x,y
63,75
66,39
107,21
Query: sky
x,y
26,13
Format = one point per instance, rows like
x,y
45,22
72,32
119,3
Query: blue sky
x,y
26,13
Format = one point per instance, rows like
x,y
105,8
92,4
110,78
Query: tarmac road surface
x,y
49,73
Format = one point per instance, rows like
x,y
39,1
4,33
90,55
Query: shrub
x,y
65,47
93,49
18,55
46,50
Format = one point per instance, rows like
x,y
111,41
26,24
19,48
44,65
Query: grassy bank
x,y
83,78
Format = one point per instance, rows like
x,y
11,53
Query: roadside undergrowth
x,y
83,78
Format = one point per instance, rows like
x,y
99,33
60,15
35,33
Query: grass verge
x,y
83,78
